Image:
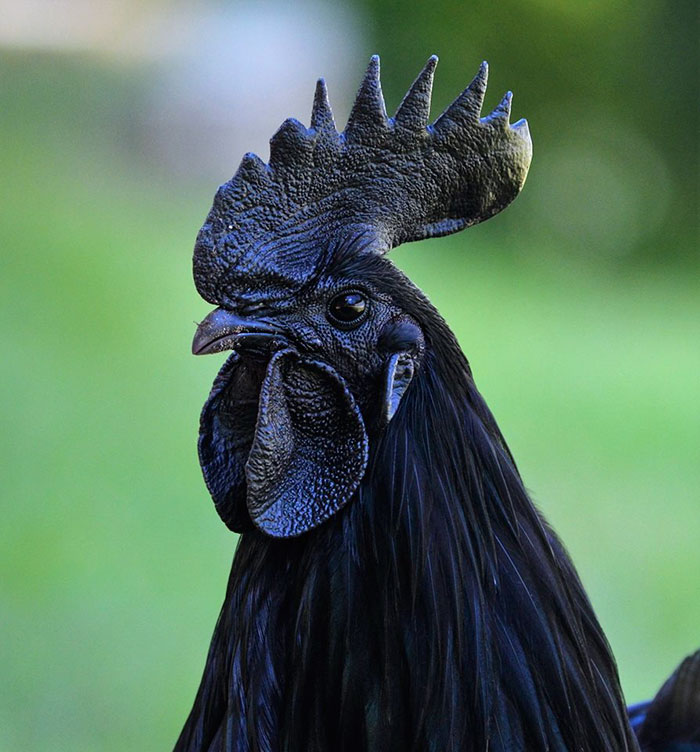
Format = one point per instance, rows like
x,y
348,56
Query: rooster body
x,y
394,587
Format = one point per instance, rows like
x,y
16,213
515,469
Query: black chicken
x,y
394,588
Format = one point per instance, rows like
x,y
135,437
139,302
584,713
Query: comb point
x,y
321,113
414,111
368,114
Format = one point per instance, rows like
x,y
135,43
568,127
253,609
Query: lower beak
x,y
224,330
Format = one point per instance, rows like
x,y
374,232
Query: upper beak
x,y
224,330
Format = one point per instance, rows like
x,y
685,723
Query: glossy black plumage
x,y
394,587
438,613
671,721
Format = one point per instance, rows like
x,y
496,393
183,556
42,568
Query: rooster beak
x,y
223,330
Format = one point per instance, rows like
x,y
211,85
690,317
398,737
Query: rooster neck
x,y
438,611
497,632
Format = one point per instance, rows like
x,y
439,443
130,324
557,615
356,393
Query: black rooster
x,y
394,588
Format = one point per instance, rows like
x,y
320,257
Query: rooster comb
x,y
385,180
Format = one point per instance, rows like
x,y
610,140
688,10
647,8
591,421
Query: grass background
x,y
113,560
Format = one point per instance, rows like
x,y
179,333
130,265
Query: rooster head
x,y
326,334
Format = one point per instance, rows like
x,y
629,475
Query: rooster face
x,y
323,329
285,433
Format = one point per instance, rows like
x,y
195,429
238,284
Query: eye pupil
x,y
348,307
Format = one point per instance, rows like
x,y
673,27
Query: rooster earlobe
x,y
310,448
397,378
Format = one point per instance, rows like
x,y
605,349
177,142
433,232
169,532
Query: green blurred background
x,y
579,309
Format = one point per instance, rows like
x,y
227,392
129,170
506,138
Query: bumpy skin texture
x,y
394,588
272,236
287,438
286,424
310,448
226,435
389,180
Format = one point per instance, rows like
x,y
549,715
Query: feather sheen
x,y
438,612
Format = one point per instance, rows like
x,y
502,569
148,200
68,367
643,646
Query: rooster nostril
x,y
249,309
306,337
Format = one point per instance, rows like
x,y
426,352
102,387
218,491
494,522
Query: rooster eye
x,y
347,309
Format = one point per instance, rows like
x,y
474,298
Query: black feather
x,y
671,721
437,611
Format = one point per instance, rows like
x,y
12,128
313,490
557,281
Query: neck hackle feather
x,y
438,611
